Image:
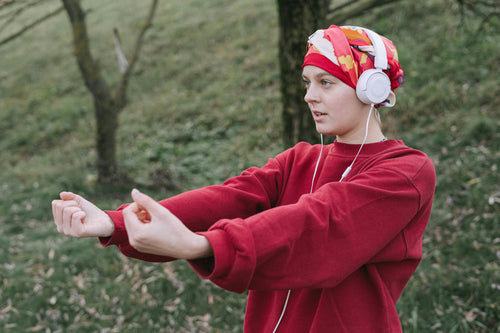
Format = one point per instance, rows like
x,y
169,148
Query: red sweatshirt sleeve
x,y
327,235
253,191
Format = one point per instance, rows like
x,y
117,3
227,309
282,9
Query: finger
x,y
129,216
133,208
144,216
146,202
78,228
68,203
67,195
79,200
141,213
58,207
67,219
56,211
153,208
135,228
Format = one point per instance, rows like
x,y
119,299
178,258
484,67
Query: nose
x,y
311,95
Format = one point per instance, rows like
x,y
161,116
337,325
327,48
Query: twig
x,y
30,26
122,60
349,9
120,94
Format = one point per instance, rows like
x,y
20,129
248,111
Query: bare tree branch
x,y
30,26
11,15
122,60
485,9
341,13
5,3
121,91
19,9
89,68
333,7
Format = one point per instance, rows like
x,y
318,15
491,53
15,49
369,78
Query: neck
x,y
372,135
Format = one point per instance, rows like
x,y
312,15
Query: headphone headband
x,y
374,86
380,61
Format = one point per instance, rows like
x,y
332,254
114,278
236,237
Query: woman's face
x,y
334,106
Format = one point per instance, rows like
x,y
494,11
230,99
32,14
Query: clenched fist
x,y
77,217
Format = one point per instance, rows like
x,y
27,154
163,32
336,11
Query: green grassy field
x,y
204,105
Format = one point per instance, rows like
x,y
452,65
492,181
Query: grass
x,y
204,105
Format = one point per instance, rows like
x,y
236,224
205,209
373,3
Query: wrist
x,y
109,227
200,248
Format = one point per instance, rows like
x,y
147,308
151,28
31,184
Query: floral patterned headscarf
x,y
347,51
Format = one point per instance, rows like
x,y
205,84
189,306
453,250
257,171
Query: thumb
x,y
81,201
144,201
68,196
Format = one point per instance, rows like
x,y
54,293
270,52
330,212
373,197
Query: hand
x,y
153,229
77,217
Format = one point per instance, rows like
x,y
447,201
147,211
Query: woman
x,y
324,237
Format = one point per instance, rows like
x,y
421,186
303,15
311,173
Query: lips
x,y
318,116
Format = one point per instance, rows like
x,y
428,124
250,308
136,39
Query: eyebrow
x,y
320,75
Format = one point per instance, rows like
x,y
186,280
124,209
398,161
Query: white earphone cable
x,y
283,311
317,164
346,172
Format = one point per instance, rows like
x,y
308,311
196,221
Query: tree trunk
x,y
104,105
107,107
297,19
107,124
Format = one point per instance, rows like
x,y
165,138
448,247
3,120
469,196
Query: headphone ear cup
x,y
373,86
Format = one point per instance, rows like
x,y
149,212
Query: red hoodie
x,y
345,251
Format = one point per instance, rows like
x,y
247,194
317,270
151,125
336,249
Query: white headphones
x,y
374,86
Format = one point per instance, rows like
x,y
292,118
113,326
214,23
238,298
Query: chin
x,y
324,131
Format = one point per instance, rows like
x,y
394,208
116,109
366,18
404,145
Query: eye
x,y
325,83
306,83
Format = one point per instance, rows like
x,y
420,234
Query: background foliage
x,y
204,105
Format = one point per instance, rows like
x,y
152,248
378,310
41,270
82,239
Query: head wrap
x,y
347,51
